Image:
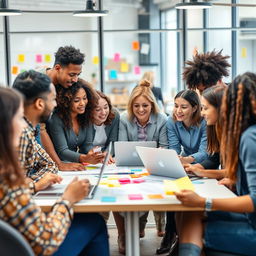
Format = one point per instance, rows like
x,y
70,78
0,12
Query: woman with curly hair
x,y
68,125
234,218
205,70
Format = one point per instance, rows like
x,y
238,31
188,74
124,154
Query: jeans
x,y
87,235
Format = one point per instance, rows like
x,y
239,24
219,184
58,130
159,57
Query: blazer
x,y
156,131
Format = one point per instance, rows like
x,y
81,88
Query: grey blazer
x,y
128,130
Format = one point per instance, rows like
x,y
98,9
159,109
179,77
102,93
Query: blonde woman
x,y
142,122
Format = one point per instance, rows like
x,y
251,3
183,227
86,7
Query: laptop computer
x,y
126,154
57,190
161,162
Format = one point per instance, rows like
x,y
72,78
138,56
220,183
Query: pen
x,y
116,173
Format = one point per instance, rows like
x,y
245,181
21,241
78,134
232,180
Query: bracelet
x,y
208,204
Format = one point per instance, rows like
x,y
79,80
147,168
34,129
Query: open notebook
x,y
57,190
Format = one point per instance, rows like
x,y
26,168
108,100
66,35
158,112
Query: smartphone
x,y
97,149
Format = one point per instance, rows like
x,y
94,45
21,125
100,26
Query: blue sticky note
x,y
112,74
108,199
136,170
197,182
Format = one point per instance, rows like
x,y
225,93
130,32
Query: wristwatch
x,y
208,204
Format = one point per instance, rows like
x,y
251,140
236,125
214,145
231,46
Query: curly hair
x,y
68,55
206,69
10,170
111,114
238,112
65,98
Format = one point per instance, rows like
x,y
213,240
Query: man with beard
x,y
39,101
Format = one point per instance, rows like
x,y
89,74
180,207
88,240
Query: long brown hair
x,y
238,112
10,171
111,114
214,96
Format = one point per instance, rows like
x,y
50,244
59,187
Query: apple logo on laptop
x,y
161,164
134,154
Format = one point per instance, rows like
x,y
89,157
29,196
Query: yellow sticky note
x,y
124,67
171,186
155,196
244,52
21,57
47,58
113,183
15,70
95,60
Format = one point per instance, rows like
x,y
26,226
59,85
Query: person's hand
x,y
186,159
47,180
196,169
227,182
111,160
92,157
190,198
71,166
76,190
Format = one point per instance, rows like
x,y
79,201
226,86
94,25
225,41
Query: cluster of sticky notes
x,y
171,186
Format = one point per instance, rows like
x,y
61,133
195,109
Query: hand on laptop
x,y
76,190
47,180
186,159
111,160
196,169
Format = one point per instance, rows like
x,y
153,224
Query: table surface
x,y
204,187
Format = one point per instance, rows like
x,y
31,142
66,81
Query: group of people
x,y
53,120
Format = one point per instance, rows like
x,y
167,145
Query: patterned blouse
x,y
44,232
33,157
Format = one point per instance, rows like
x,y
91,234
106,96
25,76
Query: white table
x,y
131,208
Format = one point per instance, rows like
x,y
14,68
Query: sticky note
x,y
136,170
21,57
117,57
124,180
135,45
138,181
95,60
109,199
47,58
15,70
135,197
155,196
137,70
124,67
112,74
144,49
171,186
114,183
197,182
39,58
244,52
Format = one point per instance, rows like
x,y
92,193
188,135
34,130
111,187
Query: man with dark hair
x,y
39,102
65,72
206,70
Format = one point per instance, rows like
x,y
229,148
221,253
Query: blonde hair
x,y
149,76
143,89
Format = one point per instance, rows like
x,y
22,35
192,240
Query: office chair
x,y
12,242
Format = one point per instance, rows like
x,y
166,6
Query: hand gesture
x,y
47,180
190,198
76,190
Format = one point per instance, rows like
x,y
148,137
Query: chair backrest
x,y
12,242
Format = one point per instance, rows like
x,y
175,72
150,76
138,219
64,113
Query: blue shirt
x,y
193,140
246,174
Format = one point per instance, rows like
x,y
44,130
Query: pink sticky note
x,y
137,70
124,181
39,58
117,57
138,181
135,197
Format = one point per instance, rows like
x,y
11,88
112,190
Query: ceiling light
x,y
5,11
193,4
90,11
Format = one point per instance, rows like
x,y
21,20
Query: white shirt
x,y
100,137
